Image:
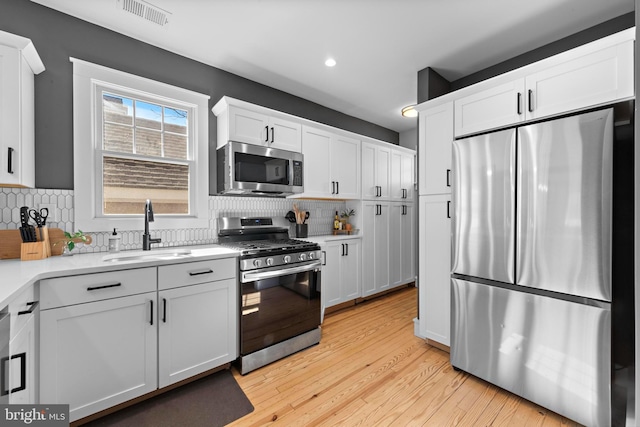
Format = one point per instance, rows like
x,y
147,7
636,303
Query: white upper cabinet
x,y
19,62
597,73
589,79
491,108
332,165
252,124
435,136
376,171
345,167
402,175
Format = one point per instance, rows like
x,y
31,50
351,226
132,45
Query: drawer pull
x,y
32,306
23,374
95,288
198,273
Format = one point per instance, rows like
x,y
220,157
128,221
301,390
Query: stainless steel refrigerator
x,y
532,262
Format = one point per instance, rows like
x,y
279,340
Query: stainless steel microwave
x,y
256,170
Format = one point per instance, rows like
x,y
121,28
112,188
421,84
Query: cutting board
x,y
10,242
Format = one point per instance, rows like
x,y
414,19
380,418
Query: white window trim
x,y
87,77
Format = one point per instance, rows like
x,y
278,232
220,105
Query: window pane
x,y
175,120
148,115
118,138
175,146
129,183
148,142
117,109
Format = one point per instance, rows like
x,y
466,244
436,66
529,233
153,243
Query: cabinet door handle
x,y
324,258
342,245
95,288
448,208
448,177
23,373
266,129
333,187
32,306
273,132
198,273
164,310
10,160
519,106
530,101
151,321
347,253
337,187
3,376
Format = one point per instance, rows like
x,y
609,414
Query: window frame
x,y
89,82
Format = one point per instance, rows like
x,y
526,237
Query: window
x,y
146,140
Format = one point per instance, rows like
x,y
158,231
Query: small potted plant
x,y
70,240
345,215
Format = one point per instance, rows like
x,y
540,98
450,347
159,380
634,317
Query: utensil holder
x,y
302,230
36,250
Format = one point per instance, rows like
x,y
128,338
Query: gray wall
x,y
582,37
57,37
431,84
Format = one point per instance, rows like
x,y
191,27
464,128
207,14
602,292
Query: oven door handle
x,y
250,276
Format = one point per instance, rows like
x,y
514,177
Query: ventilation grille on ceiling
x,y
146,11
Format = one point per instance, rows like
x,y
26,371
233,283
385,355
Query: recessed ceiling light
x,y
330,62
409,111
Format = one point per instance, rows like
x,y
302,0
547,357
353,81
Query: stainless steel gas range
x,y
280,289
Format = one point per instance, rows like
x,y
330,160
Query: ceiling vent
x,y
145,10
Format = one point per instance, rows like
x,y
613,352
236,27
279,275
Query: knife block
x,y
36,250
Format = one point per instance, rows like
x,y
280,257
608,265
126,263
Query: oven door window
x,y
279,308
261,169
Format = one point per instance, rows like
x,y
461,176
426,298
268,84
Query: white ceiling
x,y
379,45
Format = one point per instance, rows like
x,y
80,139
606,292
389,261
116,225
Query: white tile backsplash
x,y
321,213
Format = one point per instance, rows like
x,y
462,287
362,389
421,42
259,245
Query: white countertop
x,y
330,237
16,275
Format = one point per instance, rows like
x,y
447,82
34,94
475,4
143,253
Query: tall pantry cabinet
x,y
386,217
435,137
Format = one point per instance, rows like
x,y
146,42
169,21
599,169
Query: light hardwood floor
x,y
371,370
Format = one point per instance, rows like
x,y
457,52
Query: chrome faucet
x,y
146,237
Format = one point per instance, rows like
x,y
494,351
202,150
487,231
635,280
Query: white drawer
x,y
71,290
21,309
192,273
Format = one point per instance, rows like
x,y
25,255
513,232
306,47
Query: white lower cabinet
x,y
340,271
434,294
18,348
375,247
196,329
109,337
21,364
402,244
99,354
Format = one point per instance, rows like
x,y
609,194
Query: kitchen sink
x,y
149,255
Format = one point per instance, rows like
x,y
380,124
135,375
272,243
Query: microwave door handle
x,y
252,276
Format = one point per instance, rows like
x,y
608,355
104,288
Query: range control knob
x,y
286,259
302,257
311,255
257,262
269,261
